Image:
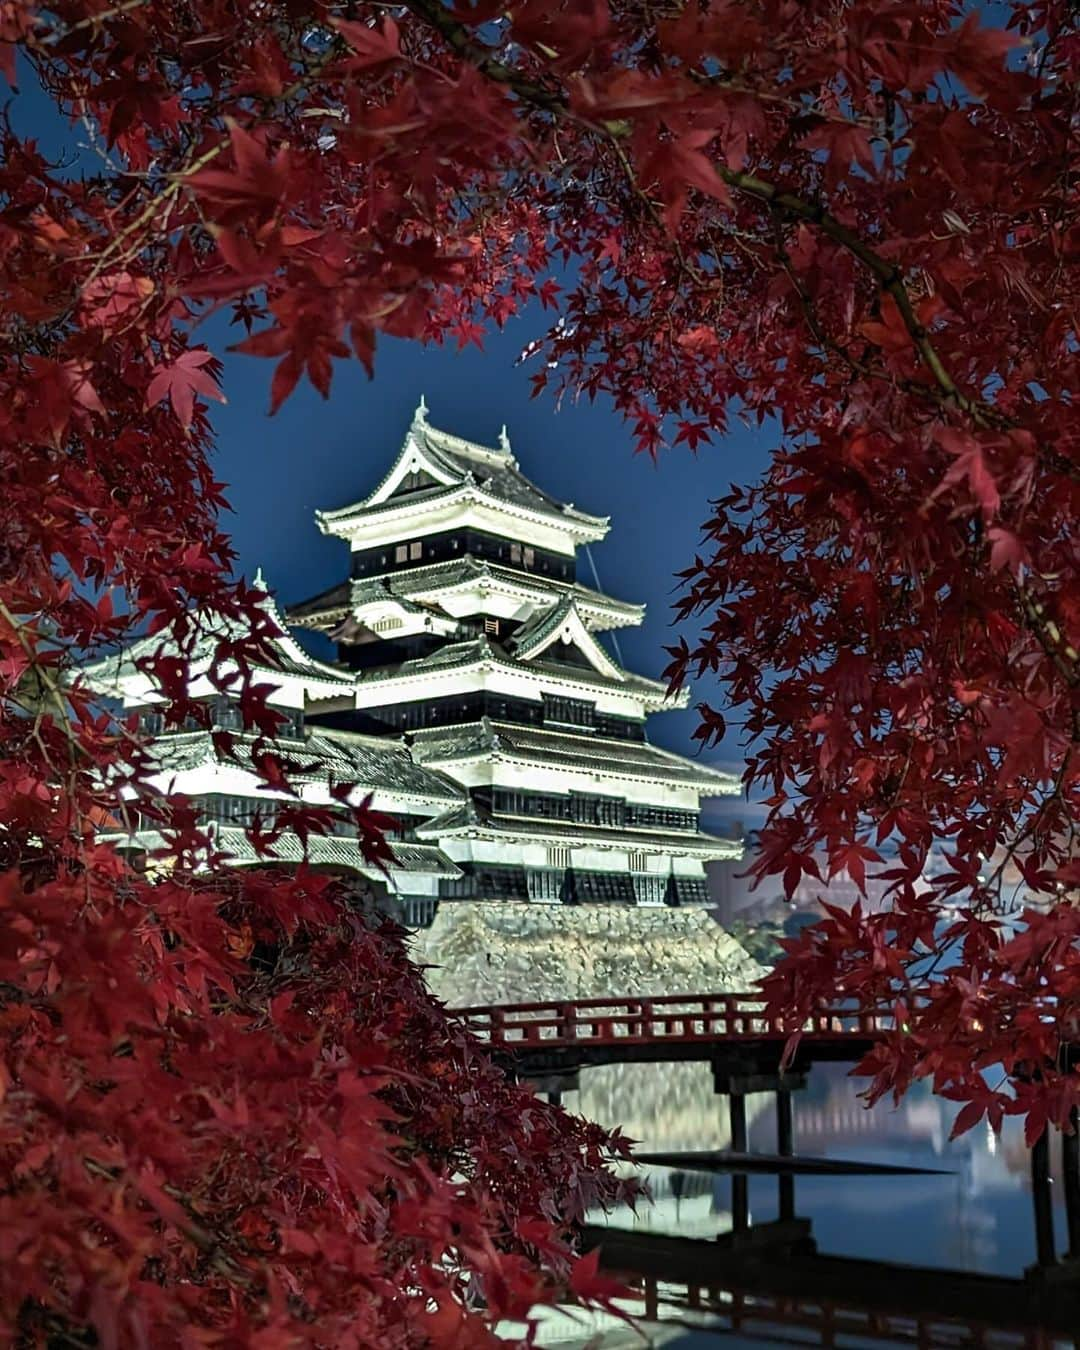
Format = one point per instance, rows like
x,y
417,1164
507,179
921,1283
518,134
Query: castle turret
x,y
220,779
466,629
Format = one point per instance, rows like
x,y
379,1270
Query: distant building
x,y
731,893
468,632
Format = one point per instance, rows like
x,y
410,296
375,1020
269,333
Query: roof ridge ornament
x,y
490,738
420,415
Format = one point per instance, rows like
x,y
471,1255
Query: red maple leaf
x,y
372,46
181,381
258,182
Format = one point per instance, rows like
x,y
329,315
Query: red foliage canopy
x,y
856,219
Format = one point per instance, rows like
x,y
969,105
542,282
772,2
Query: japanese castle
x,y
473,696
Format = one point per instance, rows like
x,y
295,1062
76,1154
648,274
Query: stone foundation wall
x,y
487,952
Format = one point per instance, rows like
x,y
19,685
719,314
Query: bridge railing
x,y
831,1317
666,1017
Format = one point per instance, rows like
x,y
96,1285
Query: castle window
x,y
529,555
686,891
401,553
558,857
604,888
583,809
610,811
575,712
515,553
416,550
544,883
649,889
416,911
491,626
227,715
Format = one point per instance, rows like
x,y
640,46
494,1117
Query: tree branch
x,y
889,275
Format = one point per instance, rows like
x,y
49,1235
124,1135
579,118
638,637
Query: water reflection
x,y
665,1106
978,1218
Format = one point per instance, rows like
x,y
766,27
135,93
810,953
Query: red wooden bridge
x,y
549,1037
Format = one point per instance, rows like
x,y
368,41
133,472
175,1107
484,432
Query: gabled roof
x,y
332,605
563,624
452,464
375,609
285,655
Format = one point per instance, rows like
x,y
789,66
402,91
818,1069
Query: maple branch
x,y
145,216
210,1245
1032,825
810,312
456,36
889,275
1050,637
788,203
58,34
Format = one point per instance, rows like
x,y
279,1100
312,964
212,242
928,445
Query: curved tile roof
x,y
366,761
339,600
558,748
321,850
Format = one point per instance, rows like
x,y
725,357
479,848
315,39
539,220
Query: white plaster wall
x,y
638,788
516,683
424,518
233,780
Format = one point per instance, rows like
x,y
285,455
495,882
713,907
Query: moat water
x,y
976,1215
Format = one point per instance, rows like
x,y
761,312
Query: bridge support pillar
x,y
1070,1166
740,1182
553,1085
1040,1194
785,1146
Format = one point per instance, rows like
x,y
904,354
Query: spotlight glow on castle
x,y
473,695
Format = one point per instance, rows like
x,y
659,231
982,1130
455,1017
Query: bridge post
x,y
740,1182
553,1084
785,1146
1070,1165
1040,1194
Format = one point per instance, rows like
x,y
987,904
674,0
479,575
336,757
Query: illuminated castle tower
x,y
466,630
